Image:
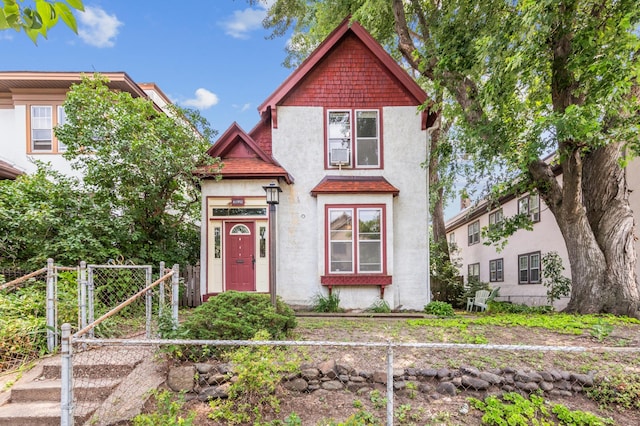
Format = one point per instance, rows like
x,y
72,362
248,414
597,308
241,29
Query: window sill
x,y
356,280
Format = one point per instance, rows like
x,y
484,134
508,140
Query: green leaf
x,y
67,16
4,25
76,4
46,12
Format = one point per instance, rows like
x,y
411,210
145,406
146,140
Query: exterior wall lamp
x,y
273,198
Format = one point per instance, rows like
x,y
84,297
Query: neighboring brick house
x,y
31,106
517,268
345,140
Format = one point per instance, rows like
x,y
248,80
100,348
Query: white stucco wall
x,y
298,144
13,144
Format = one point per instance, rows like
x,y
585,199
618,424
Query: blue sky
x,y
207,54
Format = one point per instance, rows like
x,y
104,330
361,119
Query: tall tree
x,y
37,21
139,161
527,78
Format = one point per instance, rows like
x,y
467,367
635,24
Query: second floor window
x,y
42,119
353,144
474,232
495,218
530,206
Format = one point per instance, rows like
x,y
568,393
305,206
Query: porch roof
x,y
245,168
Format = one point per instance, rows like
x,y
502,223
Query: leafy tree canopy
x,y
38,19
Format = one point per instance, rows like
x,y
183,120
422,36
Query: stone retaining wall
x,y
208,381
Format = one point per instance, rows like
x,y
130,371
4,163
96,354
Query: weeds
x,y
168,411
328,303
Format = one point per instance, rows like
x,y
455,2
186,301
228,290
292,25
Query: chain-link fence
x,y
405,383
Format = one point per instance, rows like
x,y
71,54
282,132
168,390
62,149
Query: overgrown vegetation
x,y
23,332
380,306
447,285
515,410
440,309
552,272
169,411
328,303
620,390
258,371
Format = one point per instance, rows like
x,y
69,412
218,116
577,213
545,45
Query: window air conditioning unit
x,y
339,156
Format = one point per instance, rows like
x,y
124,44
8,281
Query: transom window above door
x,y
352,144
240,230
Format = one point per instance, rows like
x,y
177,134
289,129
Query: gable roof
x,y
345,29
242,158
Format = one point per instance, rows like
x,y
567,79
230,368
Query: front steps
x,y
109,384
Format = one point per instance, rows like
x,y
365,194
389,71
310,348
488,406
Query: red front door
x,y
240,256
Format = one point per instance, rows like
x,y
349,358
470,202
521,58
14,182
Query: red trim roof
x,y
354,27
242,158
354,184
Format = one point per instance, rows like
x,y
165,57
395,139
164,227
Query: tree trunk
x,y
606,198
436,193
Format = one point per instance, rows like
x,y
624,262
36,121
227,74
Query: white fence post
x,y
161,290
51,307
66,393
148,300
82,280
390,384
175,279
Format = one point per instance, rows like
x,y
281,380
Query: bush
x,y
441,309
235,315
516,308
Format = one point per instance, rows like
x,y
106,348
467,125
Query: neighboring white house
x,y
344,139
517,268
31,106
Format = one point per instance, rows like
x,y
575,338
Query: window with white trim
x,y
474,233
360,151
42,120
530,206
355,240
529,268
496,270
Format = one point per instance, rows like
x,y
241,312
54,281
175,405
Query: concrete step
x,y
39,414
111,371
49,390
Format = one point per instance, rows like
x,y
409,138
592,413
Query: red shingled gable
x,y
354,184
242,157
348,69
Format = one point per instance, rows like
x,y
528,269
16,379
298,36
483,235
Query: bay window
x,y
355,242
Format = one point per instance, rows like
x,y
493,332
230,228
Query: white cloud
x,y
242,108
204,99
97,28
244,21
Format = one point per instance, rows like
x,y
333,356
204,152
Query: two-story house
x,y
344,139
517,268
31,106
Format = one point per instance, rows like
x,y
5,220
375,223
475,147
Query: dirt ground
x,y
573,353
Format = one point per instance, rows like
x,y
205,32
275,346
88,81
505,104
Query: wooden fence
x,y
190,294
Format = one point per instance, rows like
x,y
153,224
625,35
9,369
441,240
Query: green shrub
x,y
621,390
234,315
168,411
470,290
258,372
516,308
380,306
329,303
441,309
